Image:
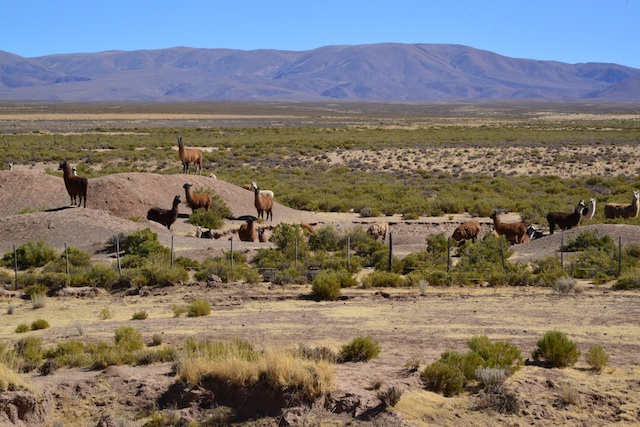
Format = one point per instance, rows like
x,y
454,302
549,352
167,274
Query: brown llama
x,y
189,155
263,204
514,232
247,232
196,200
467,231
623,210
165,217
77,186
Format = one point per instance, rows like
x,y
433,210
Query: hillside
x,y
382,72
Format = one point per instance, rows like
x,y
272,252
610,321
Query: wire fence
x,y
562,254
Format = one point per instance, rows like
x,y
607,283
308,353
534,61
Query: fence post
x,y
295,261
390,251
172,251
561,253
448,253
349,253
504,268
66,258
118,256
619,255
15,265
231,252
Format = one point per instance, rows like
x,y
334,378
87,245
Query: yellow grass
x,y
10,380
231,364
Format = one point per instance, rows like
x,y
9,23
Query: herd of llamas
x,y
515,233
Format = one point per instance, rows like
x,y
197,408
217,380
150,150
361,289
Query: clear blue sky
x,y
563,30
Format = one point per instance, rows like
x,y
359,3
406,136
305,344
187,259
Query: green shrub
x,y
199,307
105,314
557,350
101,276
326,285
30,349
597,357
630,280
22,327
444,378
547,271
590,239
128,339
77,260
39,324
157,271
438,278
140,315
178,311
206,218
34,289
499,354
221,267
382,279
360,349
30,254
326,239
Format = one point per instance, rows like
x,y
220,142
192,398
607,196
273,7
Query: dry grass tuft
x,y
236,363
10,380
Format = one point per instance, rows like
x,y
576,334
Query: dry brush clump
x,y
238,364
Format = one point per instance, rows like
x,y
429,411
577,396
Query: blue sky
x,y
561,30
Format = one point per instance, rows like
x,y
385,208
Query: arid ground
x,y
408,324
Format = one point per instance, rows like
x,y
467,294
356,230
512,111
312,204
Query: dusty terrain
x,y
407,324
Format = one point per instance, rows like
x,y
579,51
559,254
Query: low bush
x,y
442,377
556,349
565,285
597,358
360,349
140,315
382,279
30,254
198,308
326,285
389,397
39,324
105,314
22,328
128,339
498,398
629,280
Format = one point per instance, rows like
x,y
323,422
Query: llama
x,y
590,210
165,217
263,236
622,210
196,200
378,229
188,156
467,231
247,232
266,193
77,186
514,232
565,220
263,204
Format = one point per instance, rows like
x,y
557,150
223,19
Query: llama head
x,y
636,195
187,186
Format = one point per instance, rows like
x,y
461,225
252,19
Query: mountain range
x,y
380,72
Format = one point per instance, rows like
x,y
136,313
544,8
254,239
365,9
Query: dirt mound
x,y
21,190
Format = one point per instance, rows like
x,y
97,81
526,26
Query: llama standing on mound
x,y
77,186
623,210
188,156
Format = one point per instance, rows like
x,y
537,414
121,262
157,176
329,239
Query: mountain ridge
x,y
376,72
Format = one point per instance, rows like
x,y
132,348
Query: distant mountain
x,y
382,72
